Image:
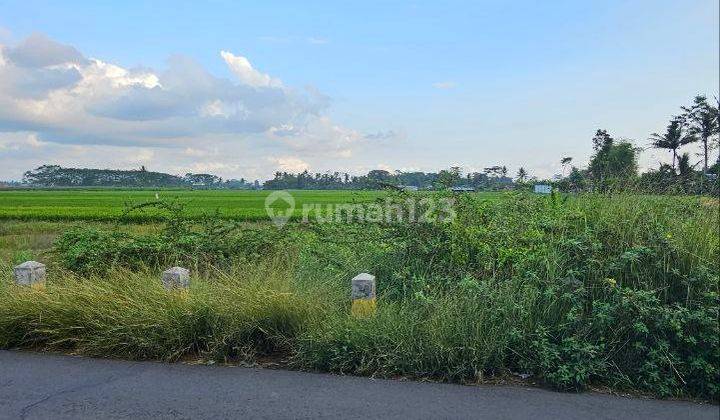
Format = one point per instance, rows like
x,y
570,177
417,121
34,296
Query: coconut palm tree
x,y
674,138
703,119
522,174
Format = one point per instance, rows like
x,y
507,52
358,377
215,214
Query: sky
x,y
244,89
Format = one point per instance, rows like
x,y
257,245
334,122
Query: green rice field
x,y
101,205
108,204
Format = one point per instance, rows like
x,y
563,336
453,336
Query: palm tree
x,y
703,118
522,174
673,139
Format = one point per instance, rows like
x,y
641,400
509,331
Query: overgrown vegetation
x,y
592,290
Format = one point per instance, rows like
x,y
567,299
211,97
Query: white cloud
x,y
37,50
290,164
59,107
241,67
145,155
190,151
32,141
51,89
318,137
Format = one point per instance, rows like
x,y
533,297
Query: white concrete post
x,y
363,295
176,278
29,273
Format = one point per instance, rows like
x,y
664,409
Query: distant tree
x,y
57,176
379,175
685,169
493,170
205,180
601,139
576,179
662,180
673,138
703,124
522,174
611,160
448,178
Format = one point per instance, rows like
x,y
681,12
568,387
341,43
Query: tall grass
x,y
238,315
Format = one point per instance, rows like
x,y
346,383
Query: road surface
x,y
42,386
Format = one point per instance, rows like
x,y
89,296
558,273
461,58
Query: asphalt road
x,y
43,386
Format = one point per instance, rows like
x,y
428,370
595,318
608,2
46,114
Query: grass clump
x,y
240,315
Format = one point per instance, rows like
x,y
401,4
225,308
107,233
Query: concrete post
x,y
30,273
363,295
176,278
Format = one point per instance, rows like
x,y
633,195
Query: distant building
x,y
543,189
462,189
408,188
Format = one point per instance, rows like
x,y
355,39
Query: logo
x,y
279,213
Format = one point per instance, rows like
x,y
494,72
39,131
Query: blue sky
x,y
354,86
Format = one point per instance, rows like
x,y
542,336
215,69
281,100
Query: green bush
x,y
201,244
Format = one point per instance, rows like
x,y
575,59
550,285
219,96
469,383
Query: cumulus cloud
x,y
290,164
245,72
177,117
53,90
318,137
37,50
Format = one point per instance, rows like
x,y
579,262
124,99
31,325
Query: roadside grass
x,y
239,315
618,291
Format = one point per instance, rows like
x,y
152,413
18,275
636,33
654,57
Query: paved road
x,y
42,386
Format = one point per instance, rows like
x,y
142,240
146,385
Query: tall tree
x,y
611,160
674,138
522,174
448,178
703,123
601,140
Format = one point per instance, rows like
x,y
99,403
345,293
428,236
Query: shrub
x,y
201,244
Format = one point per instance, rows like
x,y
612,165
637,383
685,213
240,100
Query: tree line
x,y
58,176
490,178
